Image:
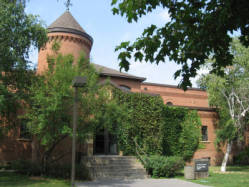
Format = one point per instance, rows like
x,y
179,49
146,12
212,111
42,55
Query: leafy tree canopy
x,y
49,111
230,94
198,29
18,33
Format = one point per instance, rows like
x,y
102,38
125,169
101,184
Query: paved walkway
x,y
140,183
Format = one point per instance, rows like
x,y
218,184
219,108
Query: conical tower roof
x,y
66,23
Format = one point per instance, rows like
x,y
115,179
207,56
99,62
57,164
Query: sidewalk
x,y
140,183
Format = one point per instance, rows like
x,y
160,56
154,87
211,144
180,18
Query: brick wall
x,y
191,97
69,44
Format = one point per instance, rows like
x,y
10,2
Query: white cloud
x,y
200,72
165,15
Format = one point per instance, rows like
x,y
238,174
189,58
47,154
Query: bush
x,y
242,158
161,166
4,165
64,171
29,168
26,167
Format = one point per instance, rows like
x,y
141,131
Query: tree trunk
x,y
226,156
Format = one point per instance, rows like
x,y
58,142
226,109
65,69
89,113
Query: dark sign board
x,y
201,165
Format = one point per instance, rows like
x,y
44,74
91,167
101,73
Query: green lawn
x,y
236,176
16,180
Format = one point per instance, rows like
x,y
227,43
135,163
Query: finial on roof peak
x,y
68,4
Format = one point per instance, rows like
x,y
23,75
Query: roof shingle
x,y
105,71
67,23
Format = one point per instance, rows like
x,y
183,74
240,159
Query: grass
x,y
16,180
236,176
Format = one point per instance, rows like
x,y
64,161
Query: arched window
x,y
169,103
124,87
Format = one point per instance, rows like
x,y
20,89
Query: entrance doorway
x,y
105,143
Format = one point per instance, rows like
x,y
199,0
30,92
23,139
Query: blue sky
x,y
107,30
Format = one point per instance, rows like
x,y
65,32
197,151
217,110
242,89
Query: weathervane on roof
x,y
68,4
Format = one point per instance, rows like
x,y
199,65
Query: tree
x,y
230,94
197,30
18,33
49,112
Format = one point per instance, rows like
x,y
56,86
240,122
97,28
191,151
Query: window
x,y
24,131
169,103
145,88
204,133
124,87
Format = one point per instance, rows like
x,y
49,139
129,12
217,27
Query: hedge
x,y
161,166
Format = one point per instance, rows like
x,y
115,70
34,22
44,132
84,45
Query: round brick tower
x,y
71,36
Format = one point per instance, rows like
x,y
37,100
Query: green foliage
x,y
180,133
196,30
161,166
177,130
110,115
242,158
49,113
64,171
29,168
13,179
143,122
18,34
26,167
230,93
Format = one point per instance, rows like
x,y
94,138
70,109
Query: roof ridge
x,y
113,72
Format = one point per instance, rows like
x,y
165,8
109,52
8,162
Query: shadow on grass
x,y
238,168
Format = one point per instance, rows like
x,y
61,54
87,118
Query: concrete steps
x,y
114,167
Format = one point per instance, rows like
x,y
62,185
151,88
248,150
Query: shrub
x,y
29,168
161,166
4,165
26,167
64,171
242,158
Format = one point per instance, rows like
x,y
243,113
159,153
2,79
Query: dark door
x,y
105,143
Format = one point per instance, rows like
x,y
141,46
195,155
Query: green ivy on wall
x,y
180,133
143,123
157,128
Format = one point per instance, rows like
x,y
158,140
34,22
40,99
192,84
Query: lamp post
x,y
77,83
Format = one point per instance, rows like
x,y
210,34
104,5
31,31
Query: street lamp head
x,y
79,81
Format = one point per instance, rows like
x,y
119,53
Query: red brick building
x,y
73,40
